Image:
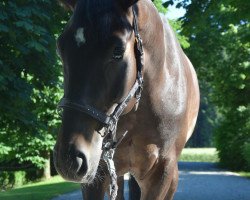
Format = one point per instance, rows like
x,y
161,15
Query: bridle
x,y
110,121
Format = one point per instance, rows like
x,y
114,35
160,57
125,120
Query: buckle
x,y
112,124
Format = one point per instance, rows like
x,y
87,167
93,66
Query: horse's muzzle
x,y
72,165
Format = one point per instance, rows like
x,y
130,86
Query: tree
x,y
29,80
219,36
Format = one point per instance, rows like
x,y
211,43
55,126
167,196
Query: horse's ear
x,y
69,3
127,3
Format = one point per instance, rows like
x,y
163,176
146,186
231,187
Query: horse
x,y
129,90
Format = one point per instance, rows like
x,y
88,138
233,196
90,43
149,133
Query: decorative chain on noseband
x,y
110,121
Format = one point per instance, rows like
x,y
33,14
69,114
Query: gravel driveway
x,y
199,181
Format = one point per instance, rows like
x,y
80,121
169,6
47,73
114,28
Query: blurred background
x,y
214,34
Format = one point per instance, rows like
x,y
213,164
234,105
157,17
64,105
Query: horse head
x,y
97,49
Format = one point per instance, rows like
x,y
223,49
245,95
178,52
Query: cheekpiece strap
x,y
138,40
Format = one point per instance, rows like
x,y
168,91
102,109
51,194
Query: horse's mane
x,y
91,10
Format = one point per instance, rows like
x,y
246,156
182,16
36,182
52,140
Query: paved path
x,y
204,181
199,181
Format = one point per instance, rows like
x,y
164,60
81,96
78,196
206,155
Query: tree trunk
x,y
46,169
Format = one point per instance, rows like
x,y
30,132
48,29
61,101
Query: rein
x,y
110,121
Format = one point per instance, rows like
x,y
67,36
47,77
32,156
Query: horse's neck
x,y
164,62
162,48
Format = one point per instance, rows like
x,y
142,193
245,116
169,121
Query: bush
x,y
232,140
6,180
246,153
12,179
19,178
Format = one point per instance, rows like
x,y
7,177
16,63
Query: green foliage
x,y
158,4
6,180
20,178
177,26
219,36
232,138
206,122
246,153
11,179
29,80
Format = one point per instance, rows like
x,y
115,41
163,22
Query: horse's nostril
x,y
80,155
82,163
79,158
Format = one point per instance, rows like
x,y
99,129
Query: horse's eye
x,y
118,53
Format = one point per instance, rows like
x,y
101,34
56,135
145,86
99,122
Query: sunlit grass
x,y
199,155
44,190
204,155
245,174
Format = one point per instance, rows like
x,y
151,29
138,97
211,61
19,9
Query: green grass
x,y
204,155
44,190
199,155
244,174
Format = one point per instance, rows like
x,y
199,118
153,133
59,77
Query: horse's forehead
x,y
100,31
83,35
101,28
86,32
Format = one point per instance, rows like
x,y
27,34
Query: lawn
x,y
244,174
44,190
204,155
199,155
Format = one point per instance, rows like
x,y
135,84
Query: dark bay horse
x,y
99,52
